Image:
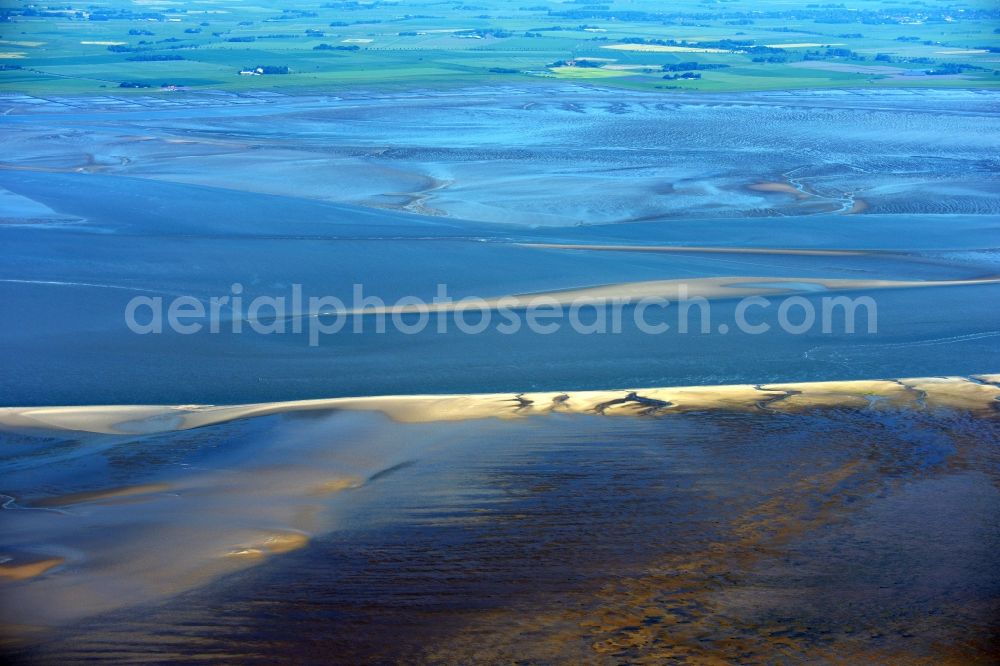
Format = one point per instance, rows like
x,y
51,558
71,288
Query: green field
x,y
125,44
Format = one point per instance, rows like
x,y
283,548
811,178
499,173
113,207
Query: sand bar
x,y
979,394
674,290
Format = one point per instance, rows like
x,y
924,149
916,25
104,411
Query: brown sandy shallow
x,y
25,568
849,204
977,394
695,595
785,188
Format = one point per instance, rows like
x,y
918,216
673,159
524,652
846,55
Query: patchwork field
x,y
688,46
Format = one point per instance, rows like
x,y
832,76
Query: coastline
x,y
978,394
700,479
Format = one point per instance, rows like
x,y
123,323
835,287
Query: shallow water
x,y
553,155
855,534
127,216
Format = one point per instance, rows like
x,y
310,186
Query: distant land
x,y
713,46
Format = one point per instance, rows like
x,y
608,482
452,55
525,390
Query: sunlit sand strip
x,y
270,543
626,293
976,394
701,249
101,495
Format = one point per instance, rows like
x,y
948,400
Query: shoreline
x,y
978,394
463,90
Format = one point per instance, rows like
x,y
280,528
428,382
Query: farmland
x,y
139,45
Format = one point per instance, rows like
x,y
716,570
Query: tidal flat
x,y
702,494
851,521
543,155
491,193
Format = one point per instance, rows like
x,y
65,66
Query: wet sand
x,y
623,157
851,521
